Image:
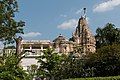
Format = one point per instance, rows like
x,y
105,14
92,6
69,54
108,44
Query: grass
x,y
99,78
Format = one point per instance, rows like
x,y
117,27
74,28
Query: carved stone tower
x,y
83,36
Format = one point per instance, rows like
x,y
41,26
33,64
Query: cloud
x,y
31,34
106,6
70,24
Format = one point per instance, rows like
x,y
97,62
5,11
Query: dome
x,y
59,38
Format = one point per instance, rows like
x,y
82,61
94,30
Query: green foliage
x,y
106,62
8,26
32,70
57,67
107,35
71,67
49,63
10,68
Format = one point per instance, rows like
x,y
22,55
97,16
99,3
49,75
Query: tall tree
x,y
9,27
49,64
107,35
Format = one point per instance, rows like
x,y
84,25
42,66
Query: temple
x,y
83,36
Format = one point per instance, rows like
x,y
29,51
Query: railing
x,y
33,52
35,41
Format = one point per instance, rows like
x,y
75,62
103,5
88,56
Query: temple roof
x,y
60,38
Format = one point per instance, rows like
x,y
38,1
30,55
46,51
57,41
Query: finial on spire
x,y
84,12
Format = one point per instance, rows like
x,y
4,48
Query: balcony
x,y
28,52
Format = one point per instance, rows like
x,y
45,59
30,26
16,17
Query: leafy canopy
x,y
107,35
9,27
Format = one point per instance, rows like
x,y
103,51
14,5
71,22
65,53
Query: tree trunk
x,y
18,45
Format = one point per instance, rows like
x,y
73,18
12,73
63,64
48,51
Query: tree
x,y
106,62
32,70
49,64
107,35
10,68
8,26
71,67
54,66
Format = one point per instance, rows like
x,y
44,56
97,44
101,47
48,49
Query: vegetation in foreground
x,y
10,68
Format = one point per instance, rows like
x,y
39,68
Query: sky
x,y
46,19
